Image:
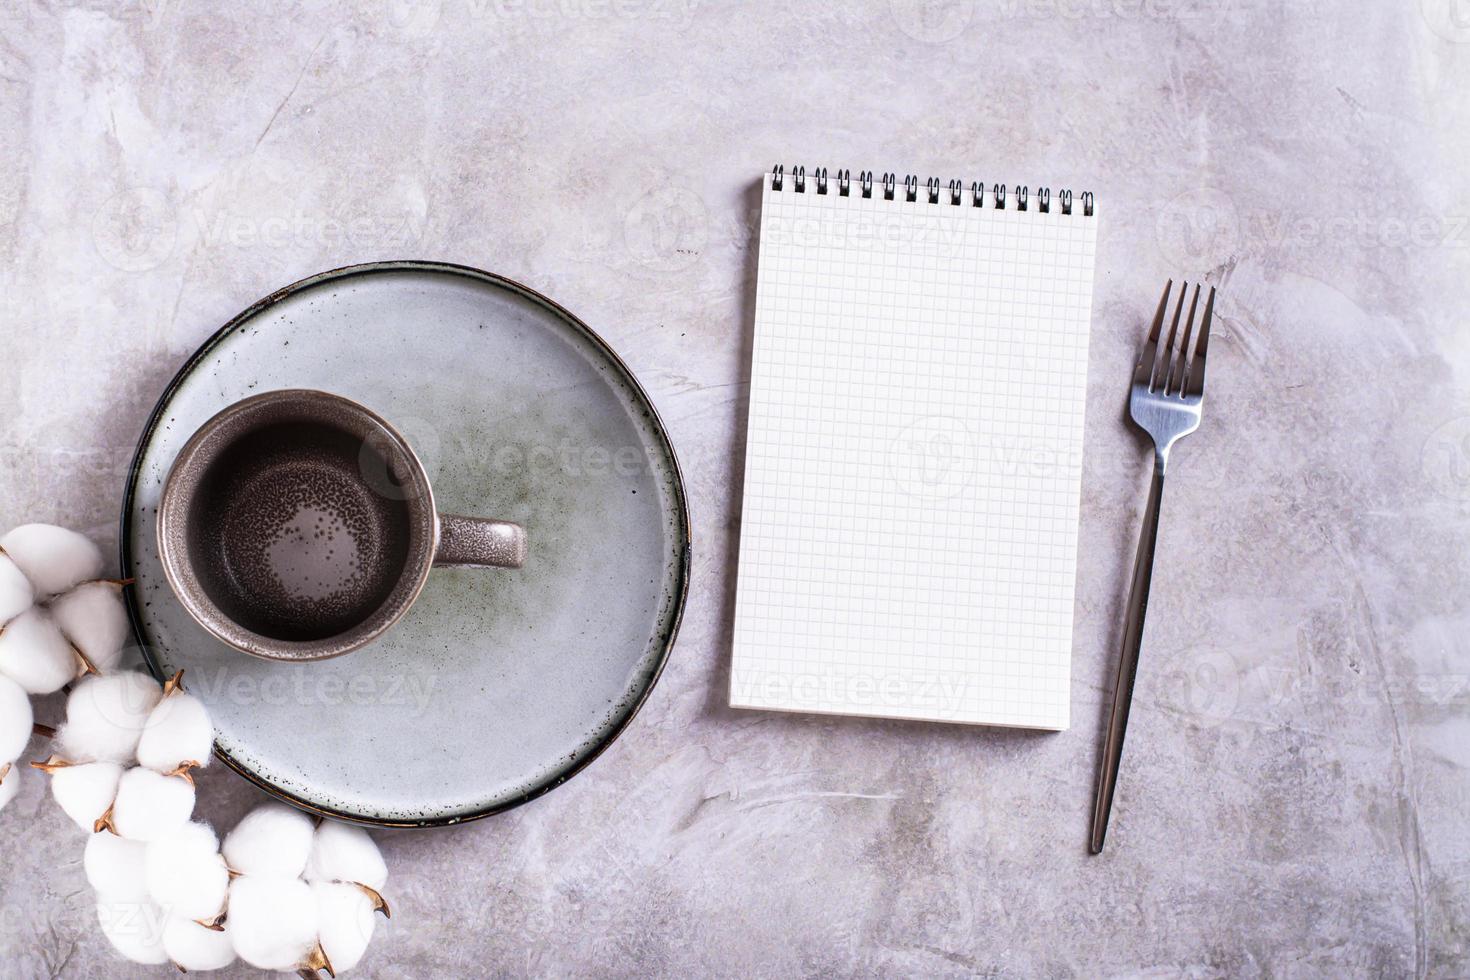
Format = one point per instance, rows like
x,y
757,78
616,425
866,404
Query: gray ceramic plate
x,y
497,685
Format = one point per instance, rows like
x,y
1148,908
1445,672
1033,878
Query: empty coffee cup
x,y
299,525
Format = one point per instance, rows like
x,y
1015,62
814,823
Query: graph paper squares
x,y
914,459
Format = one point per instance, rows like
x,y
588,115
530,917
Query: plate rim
x,y
684,561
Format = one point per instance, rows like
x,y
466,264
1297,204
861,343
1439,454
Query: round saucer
x,y
497,685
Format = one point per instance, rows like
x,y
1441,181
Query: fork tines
x,y
1176,370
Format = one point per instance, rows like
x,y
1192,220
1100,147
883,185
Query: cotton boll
x,y
15,720
344,922
116,867
187,877
273,840
92,617
9,783
34,654
16,594
105,716
178,731
86,791
151,805
273,922
341,852
194,948
53,558
135,929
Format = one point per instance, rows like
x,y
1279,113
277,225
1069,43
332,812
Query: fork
x,y
1165,401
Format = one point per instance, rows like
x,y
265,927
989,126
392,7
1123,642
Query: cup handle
x,y
479,542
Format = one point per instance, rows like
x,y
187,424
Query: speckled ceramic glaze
x,y
493,687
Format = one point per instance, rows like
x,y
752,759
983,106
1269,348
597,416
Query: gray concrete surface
x,y
1293,802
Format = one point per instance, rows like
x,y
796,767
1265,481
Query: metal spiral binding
x,y
932,186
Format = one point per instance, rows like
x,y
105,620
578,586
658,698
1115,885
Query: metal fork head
x,y
1169,381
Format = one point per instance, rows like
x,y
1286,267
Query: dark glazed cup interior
x,y
297,525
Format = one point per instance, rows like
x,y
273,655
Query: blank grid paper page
x,y
914,458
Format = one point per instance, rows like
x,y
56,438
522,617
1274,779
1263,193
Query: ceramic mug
x,y
298,525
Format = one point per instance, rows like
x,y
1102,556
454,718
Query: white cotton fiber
x,y
150,805
9,784
15,720
178,731
53,558
115,867
341,852
344,922
105,716
16,594
86,791
194,948
187,877
92,617
273,841
272,921
34,654
135,929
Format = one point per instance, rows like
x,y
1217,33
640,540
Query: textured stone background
x,y
1295,791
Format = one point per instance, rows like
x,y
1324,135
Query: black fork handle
x,y
1143,570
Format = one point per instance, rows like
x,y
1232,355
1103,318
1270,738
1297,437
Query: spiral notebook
x,y
914,453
